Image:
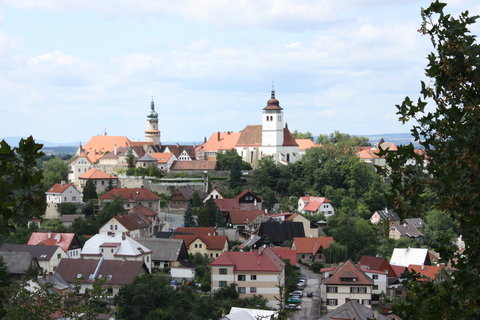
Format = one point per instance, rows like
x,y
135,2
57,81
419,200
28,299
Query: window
x,y
375,287
375,276
59,256
148,259
111,227
196,245
253,289
242,277
358,289
253,277
116,227
211,255
222,284
398,292
102,250
111,250
332,302
65,198
74,198
332,289
241,290
103,182
222,271
366,302
349,279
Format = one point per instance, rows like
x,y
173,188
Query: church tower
x,y
152,134
272,126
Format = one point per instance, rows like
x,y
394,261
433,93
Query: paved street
x,y
172,220
310,306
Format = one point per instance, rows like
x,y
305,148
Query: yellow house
x,y
208,245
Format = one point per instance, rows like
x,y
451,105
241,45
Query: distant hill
x,y
13,141
397,138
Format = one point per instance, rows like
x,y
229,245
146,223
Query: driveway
x,y
310,306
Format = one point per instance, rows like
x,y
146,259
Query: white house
x,y
314,205
48,256
214,194
134,225
60,193
407,256
116,247
101,180
78,167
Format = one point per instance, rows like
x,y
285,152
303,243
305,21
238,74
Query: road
x,y
172,220
310,306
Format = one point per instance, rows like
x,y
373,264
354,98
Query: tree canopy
x,y
227,158
343,139
446,124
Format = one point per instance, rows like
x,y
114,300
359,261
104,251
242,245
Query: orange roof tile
x,y
60,188
427,273
348,271
96,174
265,261
99,145
221,141
311,245
313,203
367,153
286,253
250,136
305,144
162,157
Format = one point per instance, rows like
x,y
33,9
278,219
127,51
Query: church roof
x,y
273,103
288,139
250,136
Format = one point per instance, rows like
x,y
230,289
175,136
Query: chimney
x,y
115,149
49,234
123,235
423,267
204,139
62,183
218,136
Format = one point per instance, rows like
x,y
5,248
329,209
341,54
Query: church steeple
x,y
152,114
152,134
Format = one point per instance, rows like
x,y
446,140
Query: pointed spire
x,y
273,90
152,105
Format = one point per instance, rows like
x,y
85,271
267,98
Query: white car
x,y
296,293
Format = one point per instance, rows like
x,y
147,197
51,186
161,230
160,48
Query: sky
x,y
73,69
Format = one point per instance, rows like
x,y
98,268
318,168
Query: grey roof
x,y
56,280
251,241
273,232
353,310
147,158
41,252
408,230
416,222
390,215
17,262
165,249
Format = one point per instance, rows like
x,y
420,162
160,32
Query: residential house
x,y
60,193
405,231
151,216
347,283
67,241
166,253
310,250
415,222
181,152
260,272
214,194
286,253
310,229
116,247
101,180
164,160
146,161
240,218
237,313
112,162
429,273
48,257
117,272
134,197
246,200
276,233
377,263
388,215
132,224
180,198
369,155
19,264
352,310
305,144
407,256
315,205
219,142
208,245
81,164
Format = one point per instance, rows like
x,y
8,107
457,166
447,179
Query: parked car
x,y
294,300
296,293
309,294
300,285
293,306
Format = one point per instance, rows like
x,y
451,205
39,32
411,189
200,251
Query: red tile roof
x,y
212,242
398,270
60,188
311,245
313,203
286,253
99,145
234,204
144,210
427,273
349,270
162,157
205,231
288,139
133,221
63,240
377,263
244,216
265,261
130,194
94,173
